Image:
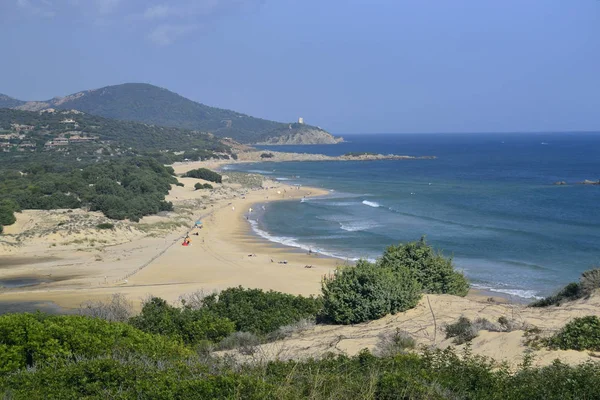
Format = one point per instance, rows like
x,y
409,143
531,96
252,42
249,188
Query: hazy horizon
x,y
386,67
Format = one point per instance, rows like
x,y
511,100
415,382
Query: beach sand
x,y
137,264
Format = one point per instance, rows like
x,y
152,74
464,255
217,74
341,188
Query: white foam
x,y
282,179
525,294
371,203
292,242
357,226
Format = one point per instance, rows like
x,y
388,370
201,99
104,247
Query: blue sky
x,y
346,65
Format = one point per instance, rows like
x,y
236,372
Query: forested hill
x,y
153,105
34,135
8,102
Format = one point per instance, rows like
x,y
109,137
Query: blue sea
x,y
488,200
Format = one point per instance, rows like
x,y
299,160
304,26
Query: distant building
x,y
301,120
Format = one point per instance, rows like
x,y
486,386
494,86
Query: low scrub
x,y
105,225
430,376
393,343
206,174
244,342
199,186
464,330
588,283
30,339
260,312
192,326
579,334
118,309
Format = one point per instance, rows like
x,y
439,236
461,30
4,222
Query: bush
x,y
206,174
393,343
105,225
246,342
199,186
462,331
588,282
579,334
266,155
432,270
366,292
118,309
28,339
192,326
259,312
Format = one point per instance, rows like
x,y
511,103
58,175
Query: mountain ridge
x,y
142,102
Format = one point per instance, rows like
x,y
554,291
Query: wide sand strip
x,y
223,254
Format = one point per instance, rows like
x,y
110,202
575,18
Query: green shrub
x,y
579,334
462,331
206,174
105,225
245,342
191,326
28,339
266,155
199,186
588,282
366,292
259,312
432,270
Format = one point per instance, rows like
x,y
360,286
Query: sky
x,y
349,66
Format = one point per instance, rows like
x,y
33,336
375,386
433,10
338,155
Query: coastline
x,y
226,253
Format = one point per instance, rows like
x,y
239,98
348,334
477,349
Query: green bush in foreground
x,y
260,312
105,225
29,339
432,270
433,375
185,324
579,334
366,292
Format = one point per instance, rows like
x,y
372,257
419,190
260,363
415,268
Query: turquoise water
x,y
488,200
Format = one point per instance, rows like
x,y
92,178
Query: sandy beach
x,y
93,264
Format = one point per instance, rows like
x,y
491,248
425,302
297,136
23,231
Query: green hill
x,y
153,105
9,102
41,135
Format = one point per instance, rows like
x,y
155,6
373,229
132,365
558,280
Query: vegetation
x,y
260,312
156,106
204,173
94,136
464,330
192,326
126,188
433,375
199,186
579,334
105,225
394,283
588,282
366,292
432,270
266,155
30,339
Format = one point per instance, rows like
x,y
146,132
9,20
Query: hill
x,y
153,105
29,136
9,102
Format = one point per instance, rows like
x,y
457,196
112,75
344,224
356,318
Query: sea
x,y
487,200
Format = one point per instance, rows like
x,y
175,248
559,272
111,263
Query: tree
x,y
434,272
367,291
